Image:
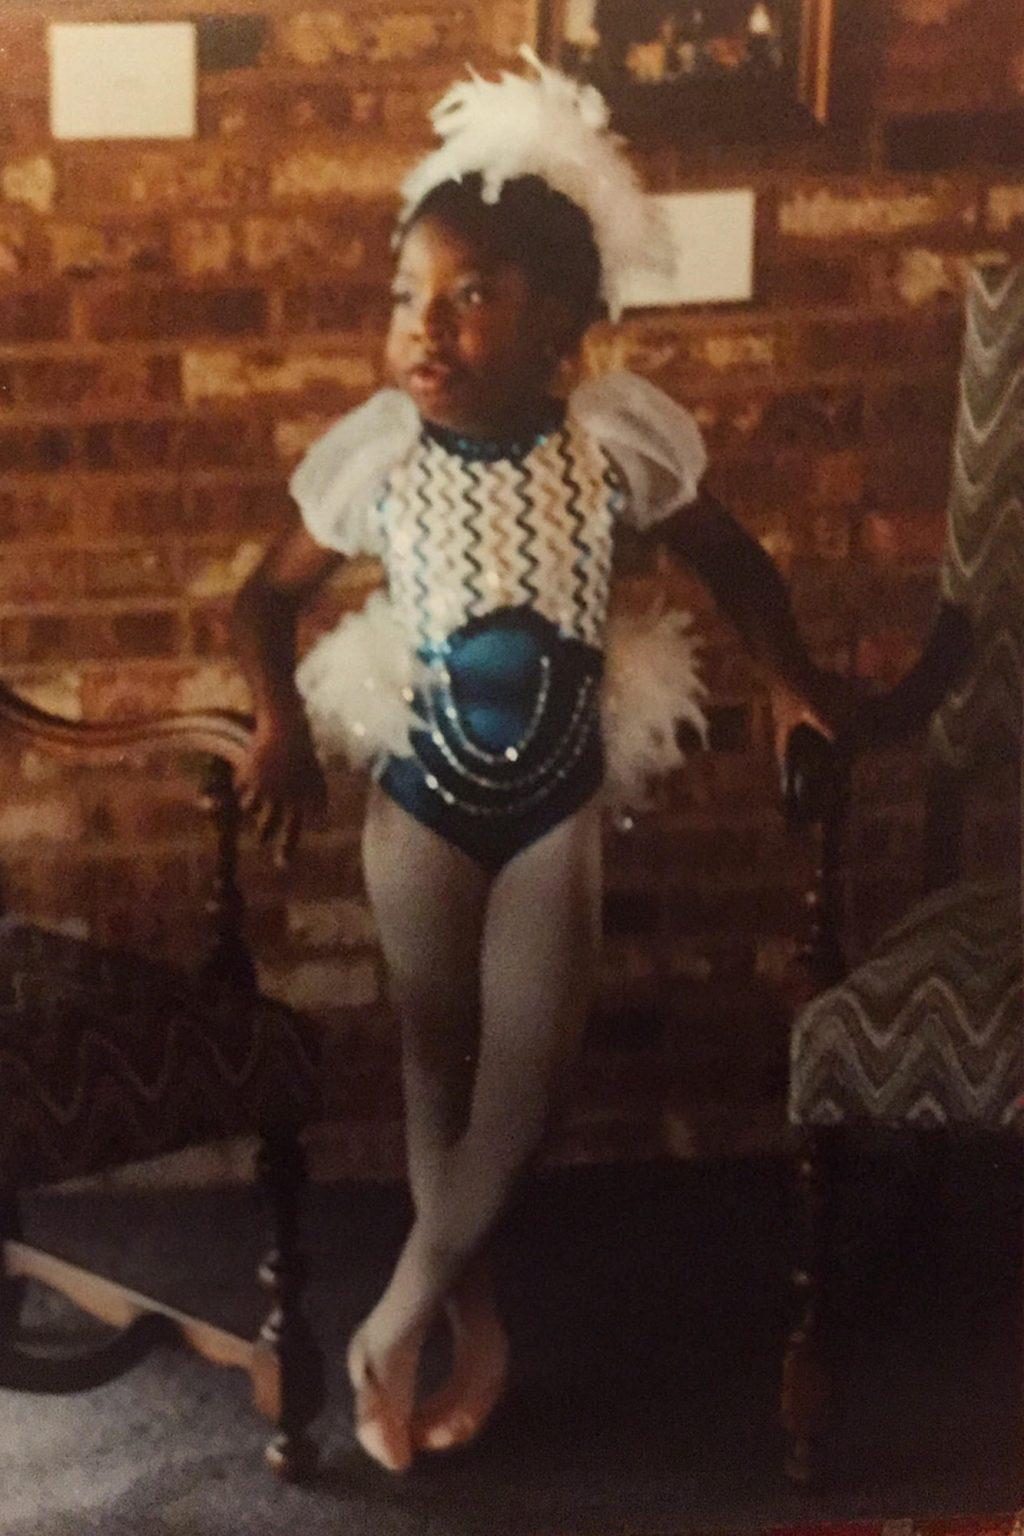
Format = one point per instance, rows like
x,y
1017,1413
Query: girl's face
x,y
469,341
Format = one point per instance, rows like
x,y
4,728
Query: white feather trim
x,y
556,128
651,686
356,684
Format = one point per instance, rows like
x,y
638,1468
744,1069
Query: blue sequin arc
x,y
510,743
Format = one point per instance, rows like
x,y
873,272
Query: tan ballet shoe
x,y
380,1430
458,1413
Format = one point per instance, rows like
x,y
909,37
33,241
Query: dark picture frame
x,y
712,71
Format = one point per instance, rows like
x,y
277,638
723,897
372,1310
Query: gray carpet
x,y
647,1307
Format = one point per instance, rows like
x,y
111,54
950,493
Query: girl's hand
x,y
280,782
828,705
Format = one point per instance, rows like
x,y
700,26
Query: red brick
x,y
811,283
129,511
919,539
887,655
783,479
32,575
248,106
123,379
210,630
189,178
128,445
23,51
83,636
910,474
34,450
129,689
350,172
1004,207
831,532
240,508
827,417
148,571
35,315
325,240
144,806
35,511
29,181
24,120
869,210
15,248
124,314
335,307
224,441
154,633
839,477
93,250
42,638
860,343
910,407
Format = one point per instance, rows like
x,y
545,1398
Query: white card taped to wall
x,y
123,80
713,241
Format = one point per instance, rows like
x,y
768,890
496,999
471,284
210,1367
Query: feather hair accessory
x,y
550,126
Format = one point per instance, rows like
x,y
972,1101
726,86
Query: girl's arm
x,y
281,777
746,584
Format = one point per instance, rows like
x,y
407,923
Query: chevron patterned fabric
x,y
108,1058
983,569
929,1030
469,535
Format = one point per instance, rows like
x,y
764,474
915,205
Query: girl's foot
x,y
458,1412
383,1397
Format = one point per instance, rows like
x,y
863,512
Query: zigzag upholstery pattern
x,y
983,568
561,498
108,1058
929,1030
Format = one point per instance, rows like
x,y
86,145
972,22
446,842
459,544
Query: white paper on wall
x,y
713,239
123,80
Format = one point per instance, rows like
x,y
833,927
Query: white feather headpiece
x,y
555,128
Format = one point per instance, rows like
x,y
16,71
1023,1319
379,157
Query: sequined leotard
x,y
498,562
498,559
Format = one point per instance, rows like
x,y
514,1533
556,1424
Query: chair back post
x,y
816,794
229,960
827,957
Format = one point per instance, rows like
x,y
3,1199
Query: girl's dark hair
x,y
531,226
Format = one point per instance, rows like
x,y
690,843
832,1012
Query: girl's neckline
x,y
488,449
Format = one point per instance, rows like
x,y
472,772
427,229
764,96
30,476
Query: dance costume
x,y
477,689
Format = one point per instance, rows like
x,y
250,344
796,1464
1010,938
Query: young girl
x,y
475,687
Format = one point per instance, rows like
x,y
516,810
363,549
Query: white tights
x,y
492,978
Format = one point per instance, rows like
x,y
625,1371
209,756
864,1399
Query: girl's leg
x,y
539,957
429,901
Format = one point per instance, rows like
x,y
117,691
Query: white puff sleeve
x,y
653,442
339,481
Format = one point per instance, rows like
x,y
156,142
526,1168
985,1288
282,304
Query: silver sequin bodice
x,y
465,535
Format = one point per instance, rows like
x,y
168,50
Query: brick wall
x,y
178,321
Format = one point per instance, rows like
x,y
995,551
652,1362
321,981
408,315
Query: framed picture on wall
x,y
713,70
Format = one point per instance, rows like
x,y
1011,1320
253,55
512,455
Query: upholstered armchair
x,y
928,1032
107,1057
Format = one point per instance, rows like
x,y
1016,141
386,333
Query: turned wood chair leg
x,y
806,1376
287,1371
12,1291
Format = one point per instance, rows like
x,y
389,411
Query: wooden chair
x,y
928,1031
107,1057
